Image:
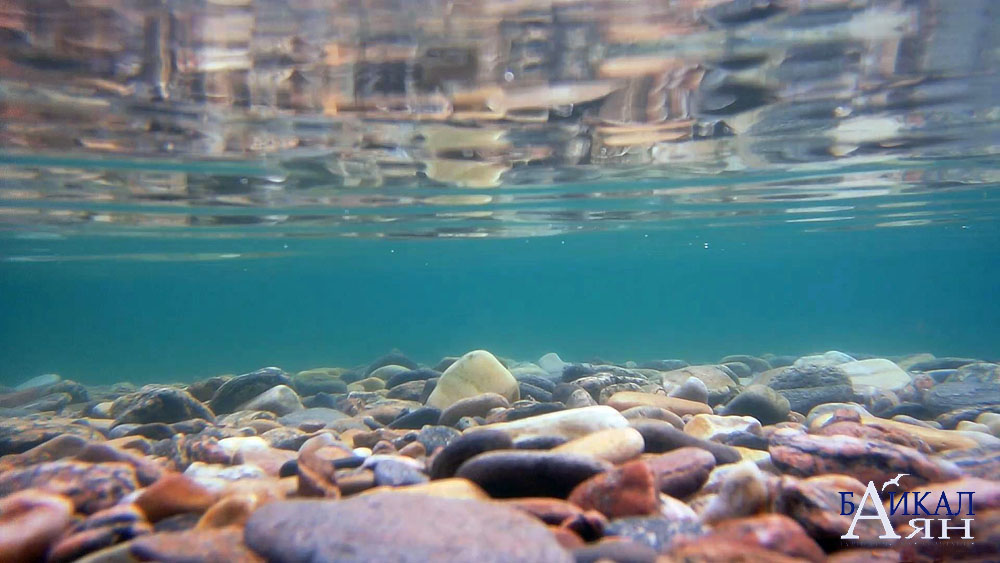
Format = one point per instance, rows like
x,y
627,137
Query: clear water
x,y
194,188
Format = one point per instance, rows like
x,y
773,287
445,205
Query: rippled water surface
x,y
189,186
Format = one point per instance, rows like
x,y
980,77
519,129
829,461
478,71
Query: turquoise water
x,y
638,294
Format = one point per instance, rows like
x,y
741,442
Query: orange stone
x,y
29,522
628,490
174,493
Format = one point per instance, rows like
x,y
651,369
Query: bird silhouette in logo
x,y
894,481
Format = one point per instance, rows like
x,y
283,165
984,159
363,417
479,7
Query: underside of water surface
x,y
456,280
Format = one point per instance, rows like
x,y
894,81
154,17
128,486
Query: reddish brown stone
x,y
804,455
222,544
874,432
627,490
771,531
29,522
815,504
174,493
90,487
682,472
415,450
317,475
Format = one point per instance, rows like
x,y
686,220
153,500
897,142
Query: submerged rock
x,y
382,527
474,373
806,455
158,404
808,385
721,383
243,388
280,400
508,474
945,397
761,402
569,424
30,521
91,487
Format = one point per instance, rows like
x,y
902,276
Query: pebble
x,y
715,427
720,383
478,405
693,389
280,400
382,527
410,375
991,420
539,442
945,397
656,413
570,423
614,445
628,490
682,472
30,521
742,491
529,391
44,380
172,494
761,402
941,363
444,488
552,363
508,474
417,418
158,404
394,358
367,384
474,373
319,380
756,365
316,415
805,455
628,399
243,388
980,372
535,380
662,437
91,487
465,447
202,545
876,372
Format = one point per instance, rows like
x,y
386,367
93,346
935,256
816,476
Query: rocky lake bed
x,y
480,458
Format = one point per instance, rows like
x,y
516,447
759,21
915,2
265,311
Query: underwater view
x,y
499,281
